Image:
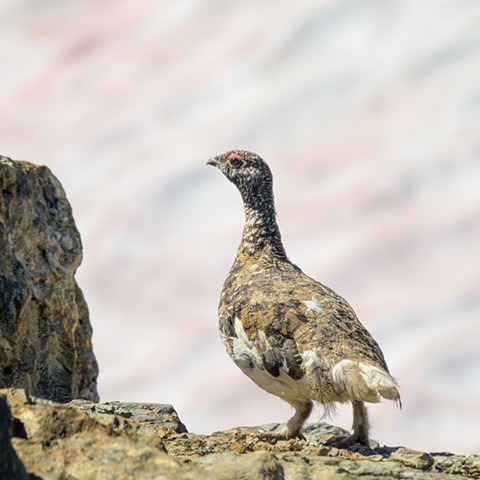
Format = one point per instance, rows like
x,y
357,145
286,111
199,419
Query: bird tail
x,y
364,382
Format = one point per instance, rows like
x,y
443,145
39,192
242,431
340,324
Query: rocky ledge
x,y
87,440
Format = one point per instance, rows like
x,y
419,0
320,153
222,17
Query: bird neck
x,y
261,233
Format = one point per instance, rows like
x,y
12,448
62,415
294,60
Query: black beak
x,y
213,162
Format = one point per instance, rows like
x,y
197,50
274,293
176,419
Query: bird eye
x,y
236,160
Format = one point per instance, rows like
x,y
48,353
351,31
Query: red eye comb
x,y
236,156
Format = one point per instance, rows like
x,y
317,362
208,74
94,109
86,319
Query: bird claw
x,y
349,441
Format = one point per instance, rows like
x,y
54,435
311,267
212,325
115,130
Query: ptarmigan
x,y
291,335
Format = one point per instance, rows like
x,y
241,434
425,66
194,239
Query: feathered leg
x,y
293,429
360,427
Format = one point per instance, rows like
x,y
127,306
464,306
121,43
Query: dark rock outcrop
x,y
45,332
11,468
86,440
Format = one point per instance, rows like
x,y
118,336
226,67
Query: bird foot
x,y
346,442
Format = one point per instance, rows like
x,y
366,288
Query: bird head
x,y
246,170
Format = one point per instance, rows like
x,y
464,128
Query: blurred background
x,y
368,112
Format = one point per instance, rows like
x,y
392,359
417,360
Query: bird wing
x,y
291,308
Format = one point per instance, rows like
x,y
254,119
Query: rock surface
x,y
86,440
45,331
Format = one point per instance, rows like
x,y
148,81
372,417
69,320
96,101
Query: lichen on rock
x,y
45,331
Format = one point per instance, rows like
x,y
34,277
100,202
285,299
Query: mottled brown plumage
x,y
293,336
